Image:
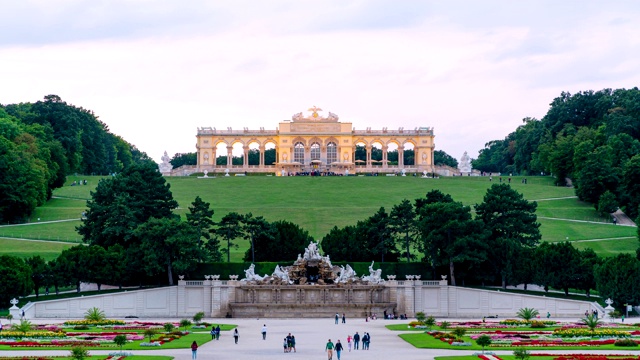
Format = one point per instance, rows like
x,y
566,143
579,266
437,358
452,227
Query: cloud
x,y
154,71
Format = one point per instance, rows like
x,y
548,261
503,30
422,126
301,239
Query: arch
x,y
408,153
221,153
316,139
301,140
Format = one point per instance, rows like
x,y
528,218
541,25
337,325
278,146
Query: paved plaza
x,y
311,337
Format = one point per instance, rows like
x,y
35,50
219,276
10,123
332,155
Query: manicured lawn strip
x,y
426,341
609,247
52,296
57,231
549,294
405,327
24,248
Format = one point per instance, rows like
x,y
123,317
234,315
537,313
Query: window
x,y
332,152
298,152
315,151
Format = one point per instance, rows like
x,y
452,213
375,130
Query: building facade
x,y
315,142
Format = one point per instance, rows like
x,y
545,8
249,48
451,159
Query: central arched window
x,y
315,151
332,152
298,152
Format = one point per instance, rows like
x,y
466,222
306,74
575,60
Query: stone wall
x,y
234,298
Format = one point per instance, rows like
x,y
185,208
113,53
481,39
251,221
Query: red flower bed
x,y
486,358
589,356
47,343
573,343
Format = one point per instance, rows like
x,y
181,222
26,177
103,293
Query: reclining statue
x,y
250,275
375,276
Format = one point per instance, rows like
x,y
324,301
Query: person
x,y
349,338
337,317
293,343
236,335
329,349
285,344
0,326
344,321
194,350
622,317
615,220
365,341
338,348
22,315
356,341
213,332
288,339
264,332
586,313
218,332
548,314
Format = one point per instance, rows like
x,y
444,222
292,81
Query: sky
x,y
154,71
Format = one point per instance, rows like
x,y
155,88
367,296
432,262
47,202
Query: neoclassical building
x,y
315,142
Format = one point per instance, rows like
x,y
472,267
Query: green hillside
x,y
320,203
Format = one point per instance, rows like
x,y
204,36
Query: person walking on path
x,y
194,350
293,343
213,332
356,341
236,335
329,349
264,332
344,318
349,338
337,318
285,344
218,332
338,348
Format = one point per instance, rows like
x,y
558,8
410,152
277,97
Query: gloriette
x,y
315,142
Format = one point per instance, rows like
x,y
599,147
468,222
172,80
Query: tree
x,y
72,266
512,223
16,278
94,314
149,333
280,241
631,185
607,203
442,158
197,318
79,353
169,244
121,203
521,353
558,265
617,279
39,272
483,340
449,235
402,224
459,332
229,229
168,327
379,236
527,314
120,340
24,327
184,323
255,227
200,218
180,159
591,321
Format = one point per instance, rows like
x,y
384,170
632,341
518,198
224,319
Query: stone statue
x,y
166,166
465,163
333,117
282,274
297,116
311,252
374,277
250,275
346,274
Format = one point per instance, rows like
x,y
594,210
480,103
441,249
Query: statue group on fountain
x,y
338,275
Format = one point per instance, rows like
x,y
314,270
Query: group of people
x,y
289,343
215,332
79,182
355,341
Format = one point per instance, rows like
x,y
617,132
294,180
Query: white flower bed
x,y
153,344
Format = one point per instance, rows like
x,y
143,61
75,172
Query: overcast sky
x,y
154,71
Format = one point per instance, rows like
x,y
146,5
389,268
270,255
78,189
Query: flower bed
x,y
94,322
32,334
589,356
564,332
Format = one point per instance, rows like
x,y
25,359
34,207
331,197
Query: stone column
x,y
261,149
245,161
229,157
214,158
368,156
400,157
384,156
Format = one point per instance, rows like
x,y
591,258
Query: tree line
x,y
134,237
591,138
42,142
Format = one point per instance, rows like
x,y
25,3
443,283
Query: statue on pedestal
x,y
465,163
165,166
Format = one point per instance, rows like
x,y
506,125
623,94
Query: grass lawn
x,y
503,357
25,248
318,204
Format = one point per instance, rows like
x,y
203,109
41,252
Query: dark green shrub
x,y
625,342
